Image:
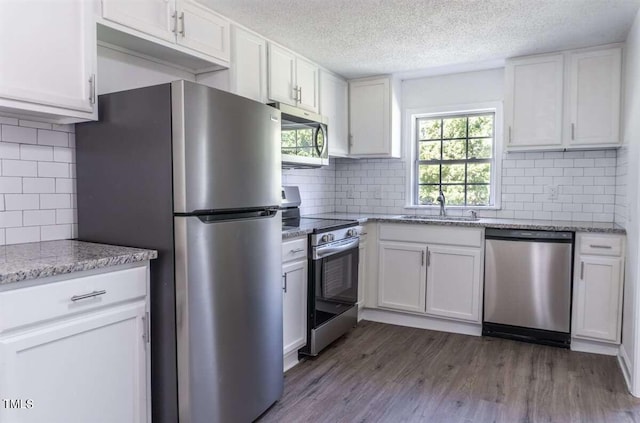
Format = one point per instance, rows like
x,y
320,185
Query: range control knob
x,y
332,237
325,238
352,232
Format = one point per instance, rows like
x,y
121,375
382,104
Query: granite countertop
x,y
545,225
36,260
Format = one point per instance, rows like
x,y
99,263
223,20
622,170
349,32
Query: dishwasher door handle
x,y
582,270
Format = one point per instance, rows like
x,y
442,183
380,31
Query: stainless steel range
x,y
333,273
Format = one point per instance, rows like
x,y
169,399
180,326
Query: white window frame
x,y
410,135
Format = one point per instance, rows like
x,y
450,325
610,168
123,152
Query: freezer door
x,y
228,318
226,150
528,284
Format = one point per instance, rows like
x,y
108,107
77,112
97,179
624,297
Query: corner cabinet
x,y
248,71
294,295
431,270
374,117
74,359
567,100
597,287
60,35
292,79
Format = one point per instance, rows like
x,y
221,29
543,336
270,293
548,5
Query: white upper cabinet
x,y
202,30
180,32
374,118
334,104
292,79
154,17
248,65
565,100
282,75
594,97
307,81
533,101
48,60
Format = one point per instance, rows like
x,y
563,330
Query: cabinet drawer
x,y
25,306
294,249
601,245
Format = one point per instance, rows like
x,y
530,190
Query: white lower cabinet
x,y
294,299
453,282
88,364
295,305
597,287
402,276
421,273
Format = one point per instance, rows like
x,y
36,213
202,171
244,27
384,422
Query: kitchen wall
x,y
37,182
317,187
631,152
586,179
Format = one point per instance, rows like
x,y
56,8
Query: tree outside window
x,y
455,154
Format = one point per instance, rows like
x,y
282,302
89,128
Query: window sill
x,y
461,208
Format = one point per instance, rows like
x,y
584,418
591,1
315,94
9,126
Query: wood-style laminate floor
x,y
386,373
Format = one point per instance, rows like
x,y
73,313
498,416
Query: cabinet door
x,y
307,84
202,30
90,369
453,282
594,97
48,53
597,298
533,101
294,314
402,275
334,104
248,65
281,75
153,17
369,117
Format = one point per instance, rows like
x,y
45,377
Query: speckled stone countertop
x,y
294,233
35,260
543,225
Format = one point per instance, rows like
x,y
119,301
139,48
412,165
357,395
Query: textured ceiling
x,y
368,37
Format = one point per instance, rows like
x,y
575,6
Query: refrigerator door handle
x,y
237,215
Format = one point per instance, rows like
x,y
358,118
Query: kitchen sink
x,y
442,218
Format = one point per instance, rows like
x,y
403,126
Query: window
x,y
298,141
455,154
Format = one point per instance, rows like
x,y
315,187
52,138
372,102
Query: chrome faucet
x,y
442,202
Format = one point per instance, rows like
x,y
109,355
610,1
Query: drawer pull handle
x,y
89,295
605,247
297,250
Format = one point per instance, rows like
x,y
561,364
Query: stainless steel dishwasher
x,y
527,285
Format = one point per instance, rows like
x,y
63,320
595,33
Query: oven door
x,y
335,268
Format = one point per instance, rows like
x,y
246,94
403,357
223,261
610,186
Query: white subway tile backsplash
x,y
19,168
54,232
9,150
65,216
53,138
63,154
19,134
10,219
39,217
22,201
53,170
10,184
55,201
8,121
32,124
36,152
22,235
38,185
65,185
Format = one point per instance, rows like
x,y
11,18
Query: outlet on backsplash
x,y
377,193
552,192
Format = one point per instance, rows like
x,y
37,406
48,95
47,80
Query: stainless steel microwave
x,y
305,143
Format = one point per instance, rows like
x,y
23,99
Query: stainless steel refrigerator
x,y
194,172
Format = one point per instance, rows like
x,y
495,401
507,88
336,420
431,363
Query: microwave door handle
x,y
328,251
320,129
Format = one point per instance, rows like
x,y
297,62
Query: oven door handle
x,y
329,250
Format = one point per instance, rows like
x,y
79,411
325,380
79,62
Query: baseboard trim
x,y
594,347
421,322
291,360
